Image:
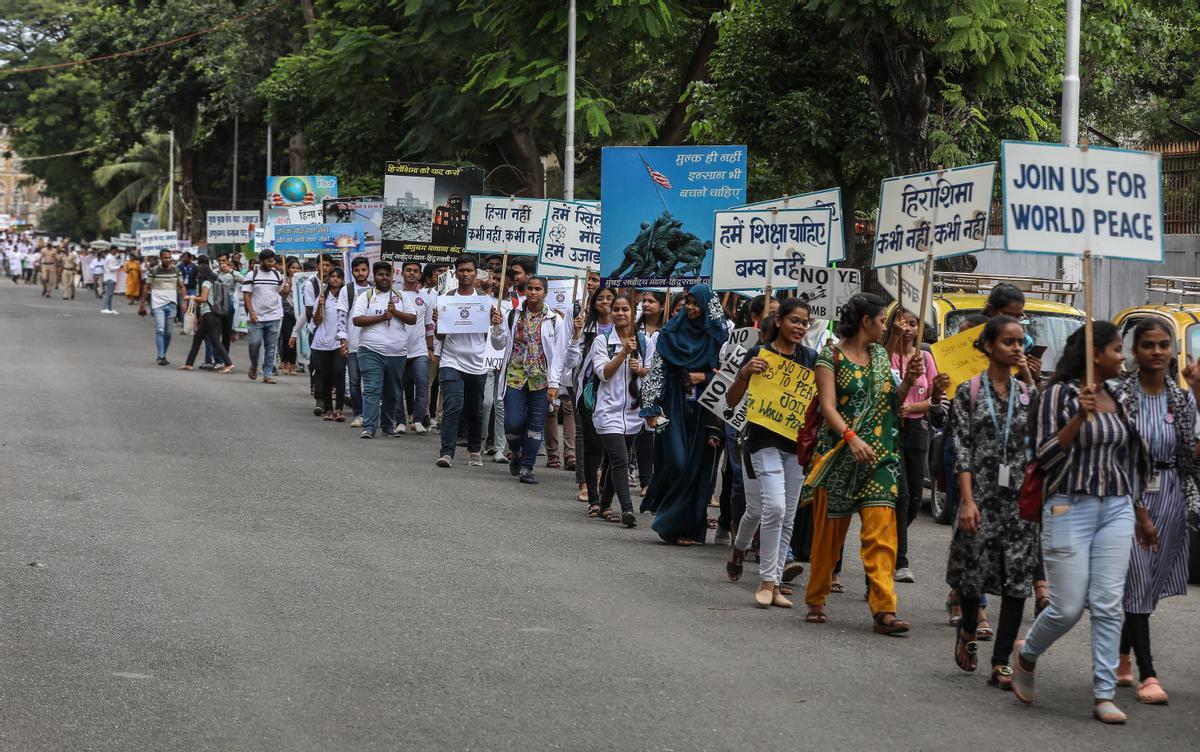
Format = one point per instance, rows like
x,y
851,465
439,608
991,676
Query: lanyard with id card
x,y
1004,475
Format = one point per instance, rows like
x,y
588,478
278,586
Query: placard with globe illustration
x,y
288,191
426,209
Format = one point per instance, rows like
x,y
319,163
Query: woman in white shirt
x,y
329,346
654,309
618,359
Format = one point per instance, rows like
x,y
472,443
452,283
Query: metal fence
x,y
1181,186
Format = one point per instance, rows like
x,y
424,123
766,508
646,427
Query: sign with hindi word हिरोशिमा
x,y
506,224
831,199
943,212
778,398
230,226
903,283
286,192
827,290
658,211
570,242
425,212
759,247
1067,200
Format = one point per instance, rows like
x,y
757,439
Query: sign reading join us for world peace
x,y
778,398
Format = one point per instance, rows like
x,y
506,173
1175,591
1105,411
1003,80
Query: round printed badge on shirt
x,y
1024,399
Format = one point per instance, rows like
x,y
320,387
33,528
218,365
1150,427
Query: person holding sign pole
x,y
535,346
618,358
1095,465
650,321
330,344
855,465
596,323
773,462
993,550
685,453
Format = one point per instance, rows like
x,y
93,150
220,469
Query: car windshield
x,y
1192,345
1049,329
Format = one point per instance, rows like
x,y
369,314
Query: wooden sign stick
x,y
1088,332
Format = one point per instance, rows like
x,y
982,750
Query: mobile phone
x,y
1036,351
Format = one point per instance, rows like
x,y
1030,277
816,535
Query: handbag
x,y
191,319
1033,493
806,437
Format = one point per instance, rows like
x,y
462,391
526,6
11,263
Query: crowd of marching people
x,y
1072,492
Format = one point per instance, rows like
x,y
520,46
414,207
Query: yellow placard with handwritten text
x,y
778,398
957,357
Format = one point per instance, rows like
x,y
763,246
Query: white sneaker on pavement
x,y
443,461
356,423
419,428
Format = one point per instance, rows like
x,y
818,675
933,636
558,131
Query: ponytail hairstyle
x,y
770,329
991,330
856,309
1072,364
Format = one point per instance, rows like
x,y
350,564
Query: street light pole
x,y
1070,95
171,183
569,157
236,120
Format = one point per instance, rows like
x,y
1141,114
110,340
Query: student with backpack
x,y
535,347
224,302
210,323
263,291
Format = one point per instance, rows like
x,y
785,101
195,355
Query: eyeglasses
x,y
806,323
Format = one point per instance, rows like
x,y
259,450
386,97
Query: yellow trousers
x,y
878,553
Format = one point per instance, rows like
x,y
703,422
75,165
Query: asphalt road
x,y
217,569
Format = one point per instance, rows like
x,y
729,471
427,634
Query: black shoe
x,y
527,477
514,462
205,366
161,361
166,362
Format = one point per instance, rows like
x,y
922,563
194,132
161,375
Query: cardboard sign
x,y
1067,200
830,199
505,224
778,398
909,298
230,226
153,242
570,242
945,213
759,247
713,397
957,357
827,290
425,211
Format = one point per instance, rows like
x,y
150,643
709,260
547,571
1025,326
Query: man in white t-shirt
x,y
360,271
462,373
111,263
164,285
263,291
382,316
415,395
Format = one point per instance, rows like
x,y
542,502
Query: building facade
x,y
21,203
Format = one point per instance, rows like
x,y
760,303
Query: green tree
x,y
142,180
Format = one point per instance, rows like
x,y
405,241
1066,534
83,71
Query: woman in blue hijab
x,y
686,450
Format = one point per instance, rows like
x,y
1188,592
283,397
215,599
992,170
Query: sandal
x,y
733,565
338,418
964,651
593,510
611,516
226,369
890,627
186,368
1001,677
1041,597
816,617
953,610
684,542
984,631
327,416
837,587
786,590
712,524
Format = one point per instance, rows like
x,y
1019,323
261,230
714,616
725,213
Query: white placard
x,y
231,226
944,212
912,275
713,396
306,215
758,247
493,357
464,315
571,239
157,241
560,296
831,199
500,224
1065,200
827,290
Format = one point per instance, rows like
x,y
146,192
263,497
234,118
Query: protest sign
x,y
336,239
289,191
778,398
658,204
570,243
124,241
152,242
493,357
230,226
757,249
958,358
425,212
305,215
827,290
560,296
830,199
943,213
506,224
300,331
466,314
903,283
141,221
366,214
1067,200
713,397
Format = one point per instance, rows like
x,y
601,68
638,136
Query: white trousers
x,y
771,500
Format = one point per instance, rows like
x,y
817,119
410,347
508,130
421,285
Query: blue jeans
x,y
163,315
462,399
525,413
109,288
382,376
263,335
416,370
1086,550
355,384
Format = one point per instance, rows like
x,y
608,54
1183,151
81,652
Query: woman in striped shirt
x,y
1094,460
1167,419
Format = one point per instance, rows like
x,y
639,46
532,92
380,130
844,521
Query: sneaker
x,y
115,313
444,461
475,461
356,423
433,424
499,458
105,310
514,463
792,570
527,478
401,428
161,361
392,434
419,428
904,574
722,537
367,435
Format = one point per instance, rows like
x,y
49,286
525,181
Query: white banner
x,y
156,241
571,239
502,224
831,199
561,296
911,275
464,315
827,290
231,226
945,213
1065,200
757,247
713,397
306,215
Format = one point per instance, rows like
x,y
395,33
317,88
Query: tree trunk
x,y
296,153
895,65
677,124
191,228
